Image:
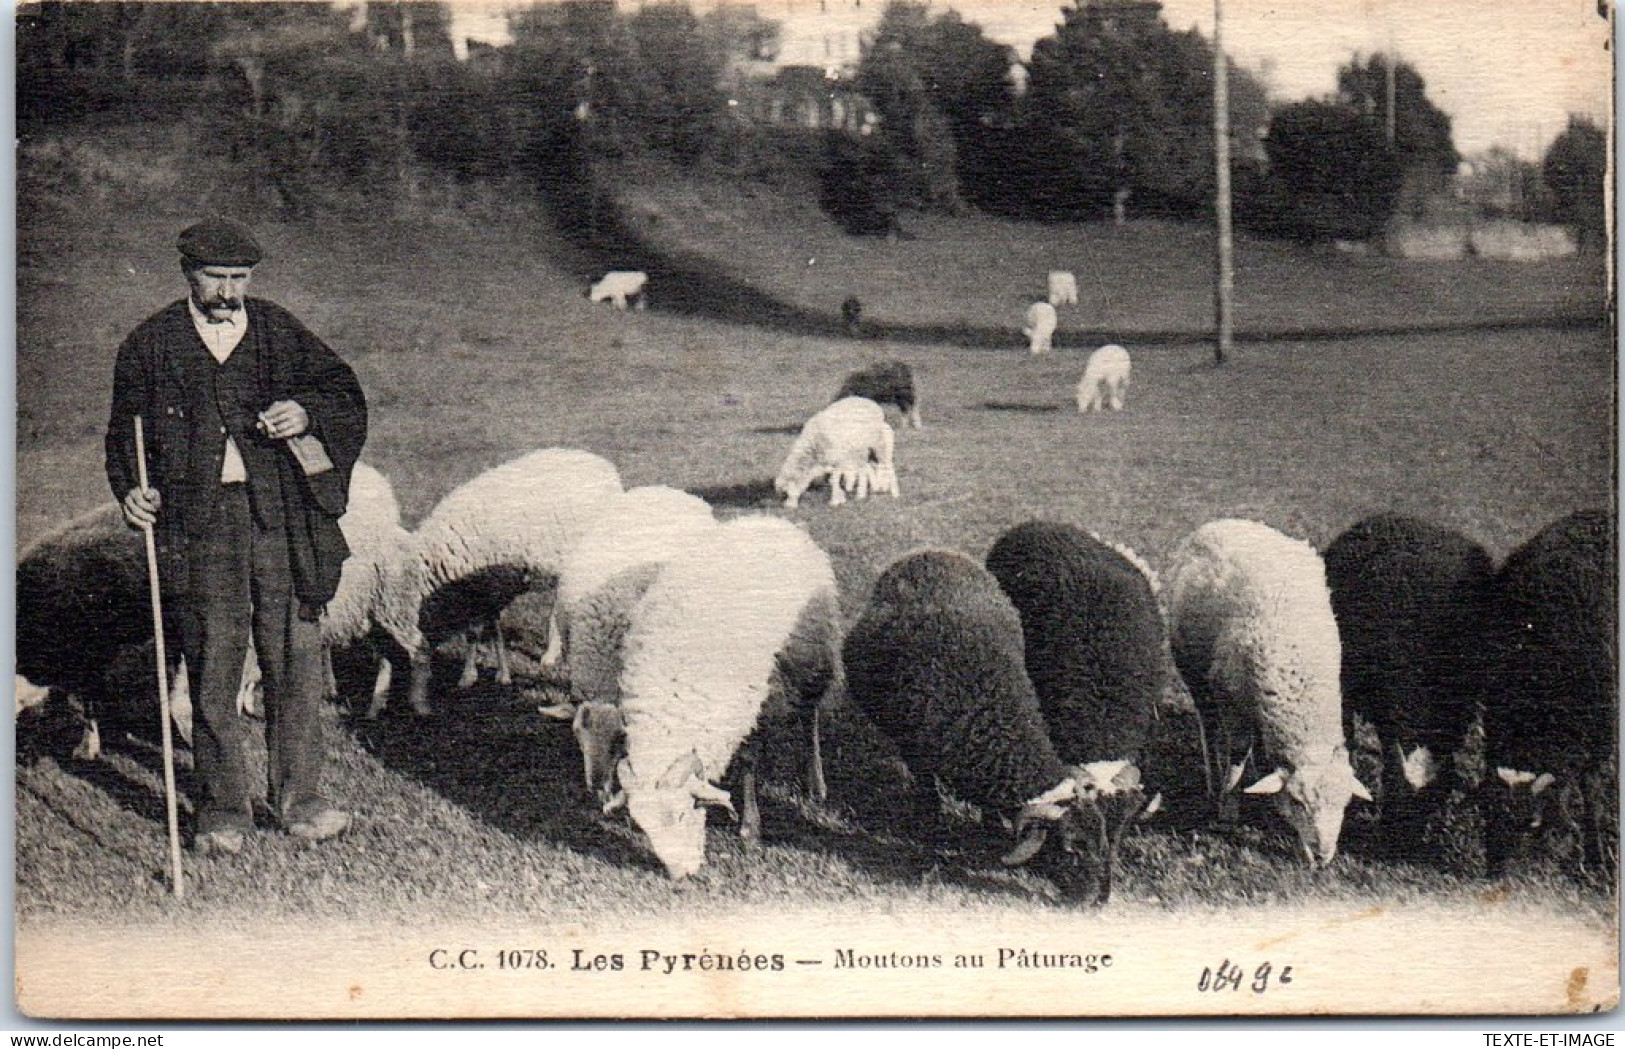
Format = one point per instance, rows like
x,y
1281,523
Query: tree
x,y
677,104
1331,165
1421,130
912,129
1126,104
1575,170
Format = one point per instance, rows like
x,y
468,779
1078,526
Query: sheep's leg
x,y
90,745
816,787
471,667
555,642
1207,754
380,687
417,691
750,818
914,417
504,671
330,680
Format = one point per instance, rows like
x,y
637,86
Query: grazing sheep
x,y
1040,329
1096,650
1550,695
1254,637
935,661
742,630
1063,288
889,382
618,286
84,619
1409,597
489,541
839,442
852,315
604,576
1105,379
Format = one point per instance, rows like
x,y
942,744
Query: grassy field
x,y
475,345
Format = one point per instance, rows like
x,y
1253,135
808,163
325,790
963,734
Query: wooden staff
x,y
177,880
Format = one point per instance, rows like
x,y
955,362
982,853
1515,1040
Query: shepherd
x,y
253,426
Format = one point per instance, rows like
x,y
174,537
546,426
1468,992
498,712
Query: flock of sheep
x,y
1027,685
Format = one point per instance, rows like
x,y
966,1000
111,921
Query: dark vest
x,y
236,401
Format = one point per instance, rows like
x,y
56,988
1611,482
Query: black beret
x,y
218,242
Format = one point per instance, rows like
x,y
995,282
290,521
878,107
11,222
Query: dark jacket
x,y
162,376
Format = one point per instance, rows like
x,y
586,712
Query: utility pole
x,y
1224,286
1388,72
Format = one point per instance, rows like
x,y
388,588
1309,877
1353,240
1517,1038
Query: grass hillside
x,y
475,344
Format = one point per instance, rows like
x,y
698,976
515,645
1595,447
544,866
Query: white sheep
x,y
1105,379
750,616
618,286
604,575
1254,637
839,443
490,540
1063,288
1040,329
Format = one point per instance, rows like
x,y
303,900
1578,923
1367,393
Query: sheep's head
x,y
1311,798
666,811
1071,834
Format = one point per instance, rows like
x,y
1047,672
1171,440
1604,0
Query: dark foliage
x,y
1575,168
1333,170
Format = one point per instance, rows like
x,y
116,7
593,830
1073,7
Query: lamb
x,y
839,442
1063,288
1409,597
1253,635
935,662
1096,650
489,541
1550,688
1040,329
604,575
888,382
852,315
740,631
618,286
1105,379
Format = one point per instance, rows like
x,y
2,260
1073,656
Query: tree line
x,y
1111,116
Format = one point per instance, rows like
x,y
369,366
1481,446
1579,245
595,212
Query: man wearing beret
x,y
252,426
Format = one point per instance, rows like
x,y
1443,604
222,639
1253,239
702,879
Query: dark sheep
x,y
1096,652
82,609
935,661
889,382
1409,599
1550,704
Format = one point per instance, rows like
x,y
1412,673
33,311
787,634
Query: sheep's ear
x,y
1233,778
1419,766
711,794
1512,777
1026,848
616,802
1271,784
1152,807
565,711
1542,781
1360,790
